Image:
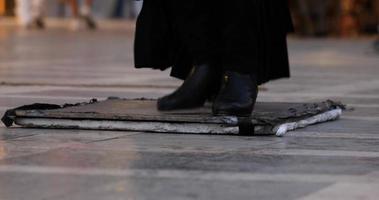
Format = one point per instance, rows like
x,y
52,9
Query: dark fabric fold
x,y
243,35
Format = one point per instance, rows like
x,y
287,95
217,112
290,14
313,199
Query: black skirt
x,y
248,36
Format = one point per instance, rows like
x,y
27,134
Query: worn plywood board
x,y
142,115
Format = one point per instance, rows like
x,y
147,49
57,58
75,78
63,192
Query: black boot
x,y
195,90
237,96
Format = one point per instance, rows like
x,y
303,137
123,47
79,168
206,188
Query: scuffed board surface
x,y
142,115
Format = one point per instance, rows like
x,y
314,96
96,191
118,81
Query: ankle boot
x,y
237,95
195,90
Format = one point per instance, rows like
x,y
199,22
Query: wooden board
x,y
142,115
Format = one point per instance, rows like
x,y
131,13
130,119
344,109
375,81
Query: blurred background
x,y
101,8
335,17
339,18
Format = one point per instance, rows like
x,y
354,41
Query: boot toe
x,y
166,104
237,96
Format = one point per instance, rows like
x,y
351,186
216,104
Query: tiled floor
x,y
338,160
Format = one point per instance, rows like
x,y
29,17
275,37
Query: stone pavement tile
x,y
346,191
272,162
293,85
75,95
98,187
358,100
31,186
305,96
9,151
220,144
155,142
17,142
370,91
328,144
56,136
13,133
56,90
351,135
362,112
7,89
41,76
121,79
346,126
173,189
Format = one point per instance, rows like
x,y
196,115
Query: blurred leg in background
x,y
81,11
304,21
126,9
38,12
313,14
30,13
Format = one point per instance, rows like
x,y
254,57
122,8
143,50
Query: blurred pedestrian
x,y
314,16
126,9
81,11
30,13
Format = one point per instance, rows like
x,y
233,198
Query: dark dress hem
x,y
251,38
